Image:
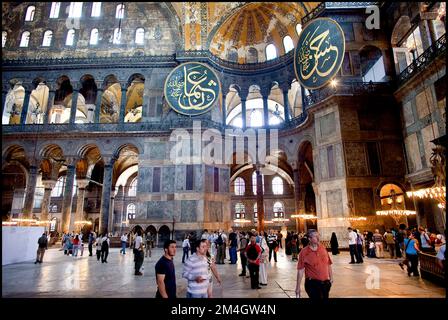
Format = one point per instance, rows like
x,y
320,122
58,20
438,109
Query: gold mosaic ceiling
x,y
256,25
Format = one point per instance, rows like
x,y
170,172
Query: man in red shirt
x,y
315,263
253,254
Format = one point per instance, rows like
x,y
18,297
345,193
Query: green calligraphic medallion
x,y
319,52
192,88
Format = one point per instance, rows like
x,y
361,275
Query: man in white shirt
x,y
196,272
138,253
352,244
124,239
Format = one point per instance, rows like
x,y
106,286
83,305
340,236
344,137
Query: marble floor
x,y
63,276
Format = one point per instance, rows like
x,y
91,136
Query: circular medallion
x,y
192,88
319,52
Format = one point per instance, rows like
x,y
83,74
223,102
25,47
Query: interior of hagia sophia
x,y
86,124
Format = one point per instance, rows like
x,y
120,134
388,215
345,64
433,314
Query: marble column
x,y
260,200
122,104
4,94
302,90
99,95
224,110
82,184
243,113
26,102
265,111
111,213
286,105
48,187
106,195
29,194
74,104
49,106
298,196
68,195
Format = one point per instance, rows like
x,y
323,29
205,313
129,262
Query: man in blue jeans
x,y
233,244
124,239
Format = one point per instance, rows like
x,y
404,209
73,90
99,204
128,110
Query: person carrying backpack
x,y
105,244
43,245
253,254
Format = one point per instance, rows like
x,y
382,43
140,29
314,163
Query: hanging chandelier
x,y
305,216
438,168
394,212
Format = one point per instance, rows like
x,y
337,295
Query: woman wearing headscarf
x,y
334,244
263,278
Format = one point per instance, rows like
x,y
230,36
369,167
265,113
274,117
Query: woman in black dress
x,y
334,244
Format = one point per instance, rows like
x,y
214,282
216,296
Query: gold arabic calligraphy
x,y
315,52
190,91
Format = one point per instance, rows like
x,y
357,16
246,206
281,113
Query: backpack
x,y
252,252
219,241
104,245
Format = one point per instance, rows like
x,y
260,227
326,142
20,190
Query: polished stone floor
x,y
63,276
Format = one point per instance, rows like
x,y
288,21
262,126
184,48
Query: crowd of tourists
x,y
255,250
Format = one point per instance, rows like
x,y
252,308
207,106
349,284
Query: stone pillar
x,y
49,106
122,104
48,187
29,194
26,102
243,113
260,200
4,94
82,184
111,213
424,34
74,103
302,90
224,110
68,195
99,95
106,195
286,105
265,111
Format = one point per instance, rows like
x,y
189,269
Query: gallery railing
x,y
434,51
347,88
316,12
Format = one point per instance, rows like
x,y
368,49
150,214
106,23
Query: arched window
x,y
55,7
254,182
70,37
298,29
232,55
279,212
58,189
94,36
30,13
288,44
239,186
271,52
140,36
53,224
252,55
48,35
277,185
372,64
117,36
96,9
130,211
255,212
132,192
75,10
4,36
24,41
240,211
119,13
256,118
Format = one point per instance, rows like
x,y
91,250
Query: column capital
x,y
49,184
76,85
265,92
70,161
109,160
82,183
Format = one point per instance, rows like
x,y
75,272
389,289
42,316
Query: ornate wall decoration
x,y
363,199
356,159
192,88
319,52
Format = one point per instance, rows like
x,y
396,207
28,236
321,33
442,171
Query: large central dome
x,y
244,36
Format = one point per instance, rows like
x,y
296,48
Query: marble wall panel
x,y
334,203
215,211
413,153
327,125
356,159
180,178
188,211
408,115
199,178
363,201
392,158
427,136
168,177
224,178
424,103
